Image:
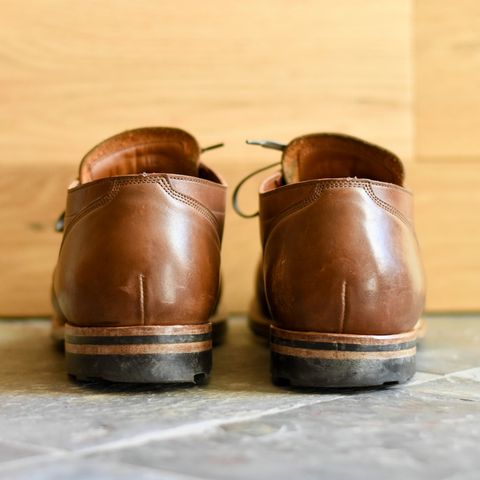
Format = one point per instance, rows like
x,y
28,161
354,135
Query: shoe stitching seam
x,y
165,184
386,206
162,182
107,198
319,188
327,183
167,187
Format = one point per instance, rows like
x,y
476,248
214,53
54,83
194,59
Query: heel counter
x,y
344,264
145,257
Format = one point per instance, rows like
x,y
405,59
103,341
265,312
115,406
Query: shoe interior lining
x,y
337,156
148,150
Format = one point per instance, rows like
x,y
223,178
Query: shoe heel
x,y
310,359
140,354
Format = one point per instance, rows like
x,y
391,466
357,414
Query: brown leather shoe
x,y
341,285
137,282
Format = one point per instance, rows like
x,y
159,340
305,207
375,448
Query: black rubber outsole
x,y
193,368
139,355
310,360
330,373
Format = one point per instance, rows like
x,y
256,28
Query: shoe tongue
x,y
149,150
328,155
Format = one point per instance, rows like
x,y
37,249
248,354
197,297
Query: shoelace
x,y
264,144
60,223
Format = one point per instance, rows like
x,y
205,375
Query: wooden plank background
x,y
446,172
73,73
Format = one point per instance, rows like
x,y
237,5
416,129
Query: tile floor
x,y
240,426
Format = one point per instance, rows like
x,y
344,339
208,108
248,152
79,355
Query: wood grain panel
x,y
447,81
74,73
446,173
447,203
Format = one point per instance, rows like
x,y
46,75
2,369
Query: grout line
x,y
158,435
453,374
415,383
440,376
22,463
190,429
32,460
182,431
38,449
52,453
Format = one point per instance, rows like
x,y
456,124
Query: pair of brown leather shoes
x,y
137,284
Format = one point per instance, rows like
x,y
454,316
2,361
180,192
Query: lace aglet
x,y
267,144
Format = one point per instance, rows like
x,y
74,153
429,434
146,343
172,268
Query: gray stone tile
x,y
240,426
471,374
418,378
392,433
464,476
452,344
40,405
10,452
76,469
462,386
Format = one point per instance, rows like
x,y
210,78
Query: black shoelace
x,y
264,144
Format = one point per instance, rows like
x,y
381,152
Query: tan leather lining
x,y
150,150
327,155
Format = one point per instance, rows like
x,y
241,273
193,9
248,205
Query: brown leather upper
x,y
143,231
340,253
